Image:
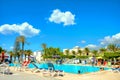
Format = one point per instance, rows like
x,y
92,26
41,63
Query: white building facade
x,y
38,56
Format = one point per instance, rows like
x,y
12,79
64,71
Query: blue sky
x,y
60,23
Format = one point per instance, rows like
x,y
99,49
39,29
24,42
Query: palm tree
x,y
14,55
44,50
22,40
11,55
94,52
73,52
25,53
87,51
16,49
19,53
44,47
1,49
102,50
29,52
112,47
80,52
57,50
67,51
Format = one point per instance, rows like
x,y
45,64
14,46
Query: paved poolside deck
x,y
28,75
102,75
24,76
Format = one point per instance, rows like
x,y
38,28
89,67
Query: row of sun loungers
x,y
50,71
23,66
46,72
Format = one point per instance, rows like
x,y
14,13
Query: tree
x,y
94,52
1,49
51,52
102,50
25,53
87,51
57,51
73,52
111,55
28,53
112,47
16,49
67,51
80,52
22,40
11,55
44,46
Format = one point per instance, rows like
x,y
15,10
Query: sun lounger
x,y
50,73
36,69
17,66
54,72
116,68
45,72
4,69
59,72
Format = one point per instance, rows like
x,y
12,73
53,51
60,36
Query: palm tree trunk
x,y
22,51
10,58
25,56
19,58
14,58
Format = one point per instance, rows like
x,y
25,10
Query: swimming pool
x,y
70,68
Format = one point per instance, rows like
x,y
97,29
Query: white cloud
x,y
23,29
114,39
83,41
11,47
111,39
92,47
62,17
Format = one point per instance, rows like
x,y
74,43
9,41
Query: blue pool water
x,y
69,68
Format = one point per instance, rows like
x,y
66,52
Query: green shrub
x,y
110,55
82,57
